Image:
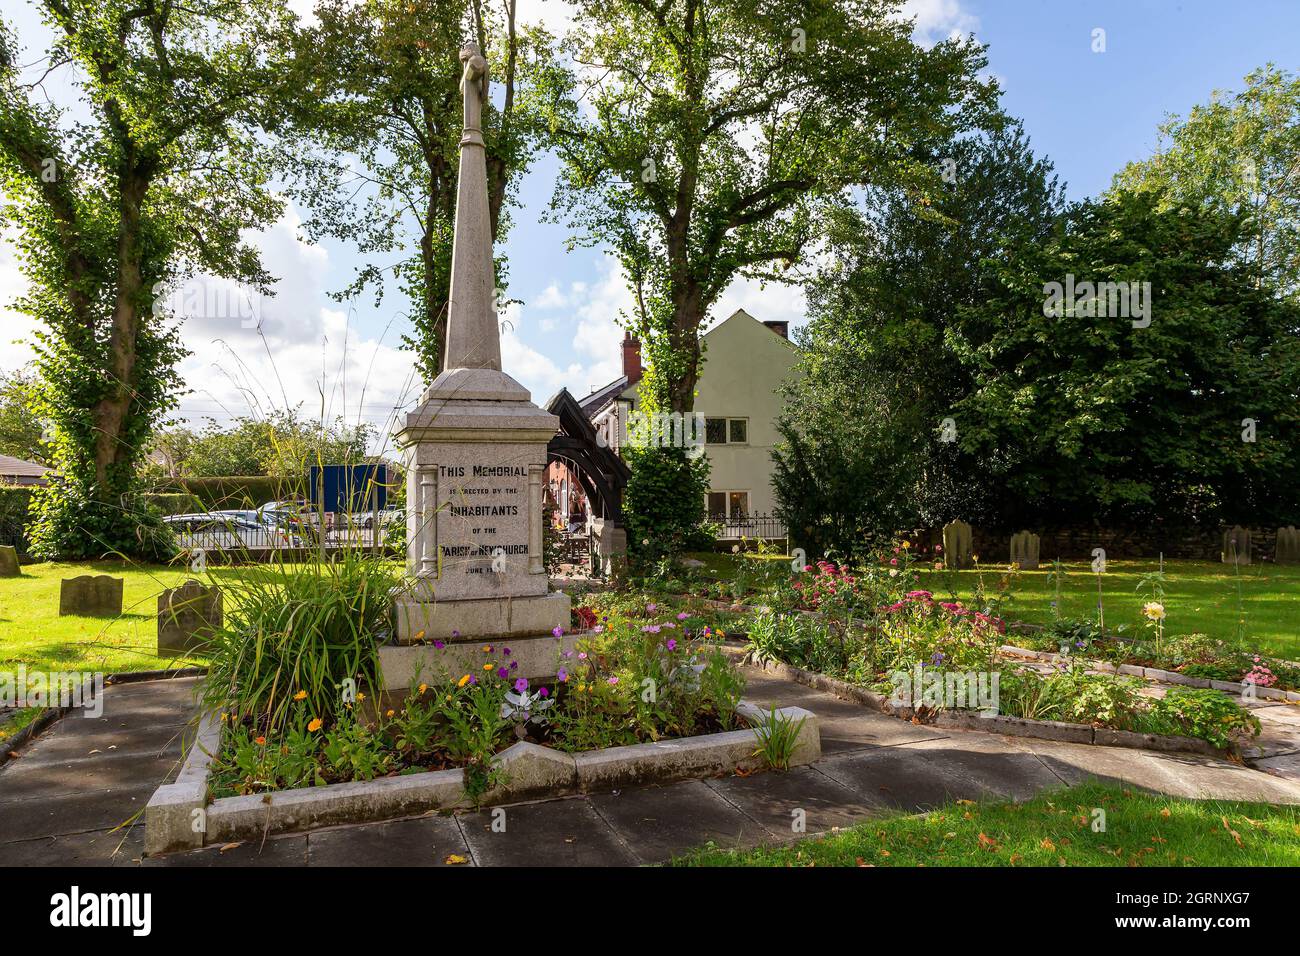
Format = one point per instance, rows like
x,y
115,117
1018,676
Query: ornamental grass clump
x,y
310,628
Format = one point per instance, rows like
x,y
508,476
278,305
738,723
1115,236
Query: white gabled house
x,y
738,394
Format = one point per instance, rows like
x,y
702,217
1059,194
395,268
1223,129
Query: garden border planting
x,y
965,720
180,816
1154,673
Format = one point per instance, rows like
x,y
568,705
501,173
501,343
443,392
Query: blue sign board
x,y
349,489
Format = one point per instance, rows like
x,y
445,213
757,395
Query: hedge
x,y
239,491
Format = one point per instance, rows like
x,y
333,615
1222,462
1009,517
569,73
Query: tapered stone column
x,y
475,449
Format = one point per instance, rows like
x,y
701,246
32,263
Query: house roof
x,y
11,467
594,403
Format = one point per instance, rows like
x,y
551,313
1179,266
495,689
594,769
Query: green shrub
x,y
663,503
1198,712
173,503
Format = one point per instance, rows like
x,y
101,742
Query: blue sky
x,y
1089,112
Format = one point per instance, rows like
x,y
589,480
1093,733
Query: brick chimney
x,y
780,328
631,359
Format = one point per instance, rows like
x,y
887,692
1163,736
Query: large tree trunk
x,y
111,412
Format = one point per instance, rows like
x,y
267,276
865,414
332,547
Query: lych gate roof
x,y
602,473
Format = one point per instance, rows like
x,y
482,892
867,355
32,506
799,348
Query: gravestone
x,y
91,595
1236,546
957,545
608,547
1024,550
475,453
1287,549
9,562
186,617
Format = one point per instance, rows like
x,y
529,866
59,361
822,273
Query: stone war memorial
x,y
475,453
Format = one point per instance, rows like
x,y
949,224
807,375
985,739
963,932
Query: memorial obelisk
x,y
475,453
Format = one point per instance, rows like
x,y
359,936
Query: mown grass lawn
x,y
1199,597
1054,829
33,633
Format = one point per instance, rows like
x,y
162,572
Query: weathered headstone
x,y
1024,550
475,450
1287,549
1236,546
608,546
91,595
9,562
186,617
957,545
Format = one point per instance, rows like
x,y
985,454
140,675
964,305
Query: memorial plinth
x,y
475,452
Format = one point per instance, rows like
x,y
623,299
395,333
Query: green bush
x,y
1198,712
235,491
663,503
173,503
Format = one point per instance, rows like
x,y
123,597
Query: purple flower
x,y
514,665
521,685
455,633
561,675
612,681
557,631
505,651
682,616
543,692
473,679
672,644
503,672
439,644
582,655
651,608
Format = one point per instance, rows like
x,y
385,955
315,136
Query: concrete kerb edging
x,y
1154,673
1010,726
179,816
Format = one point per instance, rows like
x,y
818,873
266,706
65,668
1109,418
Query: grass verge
x,y
1053,829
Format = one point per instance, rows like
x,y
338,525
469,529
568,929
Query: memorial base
x,y
525,628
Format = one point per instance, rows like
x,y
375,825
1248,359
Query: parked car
x,y
230,531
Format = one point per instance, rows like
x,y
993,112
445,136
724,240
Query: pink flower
x,y
612,681
672,644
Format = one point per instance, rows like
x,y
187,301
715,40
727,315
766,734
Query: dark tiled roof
x,y
597,400
16,467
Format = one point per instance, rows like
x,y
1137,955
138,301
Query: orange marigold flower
x,y
301,695
260,741
463,681
423,688
315,724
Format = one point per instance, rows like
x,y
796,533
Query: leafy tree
x,y
718,134
663,502
21,429
1084,417
1239,153
863,451
385,111
158,183
281,445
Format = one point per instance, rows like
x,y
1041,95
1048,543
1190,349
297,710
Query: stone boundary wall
x,y
993,545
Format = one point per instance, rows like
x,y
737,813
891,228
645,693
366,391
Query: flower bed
x,y
630,680
928,656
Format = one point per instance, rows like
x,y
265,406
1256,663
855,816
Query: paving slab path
x,y
62,798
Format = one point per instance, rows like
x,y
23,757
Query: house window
x,y
726,431
727,505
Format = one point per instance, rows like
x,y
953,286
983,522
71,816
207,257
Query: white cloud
x,y
939,20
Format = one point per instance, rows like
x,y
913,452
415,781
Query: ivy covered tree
x,y
1082,414
156,182
379,139
706,140
866,447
